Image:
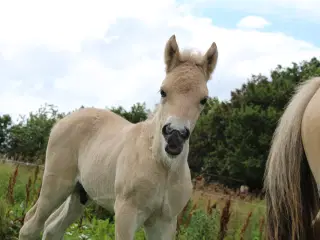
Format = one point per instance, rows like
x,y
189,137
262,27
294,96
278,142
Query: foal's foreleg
x,y
128,219
161,229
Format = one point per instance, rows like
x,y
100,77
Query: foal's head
x,y
184,93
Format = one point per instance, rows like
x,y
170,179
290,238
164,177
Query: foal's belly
x,y
97,170
98,177
98,182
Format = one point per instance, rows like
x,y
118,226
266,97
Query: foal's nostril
x,y
185,133
166,130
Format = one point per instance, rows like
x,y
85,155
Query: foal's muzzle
x,y
175,139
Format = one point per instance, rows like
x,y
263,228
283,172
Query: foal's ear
x,y
210,60
171,54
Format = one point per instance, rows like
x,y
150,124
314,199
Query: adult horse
x,y
138,171
293,167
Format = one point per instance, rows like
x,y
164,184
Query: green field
x,y
208,216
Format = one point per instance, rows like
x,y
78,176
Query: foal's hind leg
x,y
53,193
31,212
58,181
65,215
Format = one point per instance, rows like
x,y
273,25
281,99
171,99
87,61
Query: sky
x,y
110,53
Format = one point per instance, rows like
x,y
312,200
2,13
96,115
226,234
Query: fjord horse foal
x,y
138,171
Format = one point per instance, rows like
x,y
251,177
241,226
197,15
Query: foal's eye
x,y
204,101
163,93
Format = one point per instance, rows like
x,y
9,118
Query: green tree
x,y
138,112
232,138
5,124
28,138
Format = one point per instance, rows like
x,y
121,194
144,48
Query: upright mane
x,y
192,56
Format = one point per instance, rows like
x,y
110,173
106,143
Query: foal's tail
x,y
291,191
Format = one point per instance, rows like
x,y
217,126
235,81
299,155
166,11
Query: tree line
x,y
231,140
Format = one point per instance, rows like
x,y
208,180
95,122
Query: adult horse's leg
x,y
63,217
160,229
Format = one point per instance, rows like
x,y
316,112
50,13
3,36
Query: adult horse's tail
x,y
291,192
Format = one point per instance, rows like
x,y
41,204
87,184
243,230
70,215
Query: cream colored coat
x,y
292,172
123,166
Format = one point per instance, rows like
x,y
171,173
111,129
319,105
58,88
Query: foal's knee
x,y
51,234
30,213
31,229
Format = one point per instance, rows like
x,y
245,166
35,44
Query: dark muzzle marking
x,y
82,193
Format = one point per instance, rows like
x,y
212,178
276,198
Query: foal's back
x,y
85,123
74,133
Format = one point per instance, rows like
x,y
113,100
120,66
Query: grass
x,y
210,214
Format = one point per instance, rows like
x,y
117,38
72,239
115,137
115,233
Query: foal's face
x,y
184,93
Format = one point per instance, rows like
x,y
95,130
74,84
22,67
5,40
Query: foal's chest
x,y
175,198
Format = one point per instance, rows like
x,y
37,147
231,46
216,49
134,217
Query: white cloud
x,y
100,53
304,10
253,22
63,25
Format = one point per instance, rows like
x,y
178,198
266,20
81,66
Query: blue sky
x,y
298,28
293,17
102,54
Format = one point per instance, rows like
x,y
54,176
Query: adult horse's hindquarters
x,y
293,168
